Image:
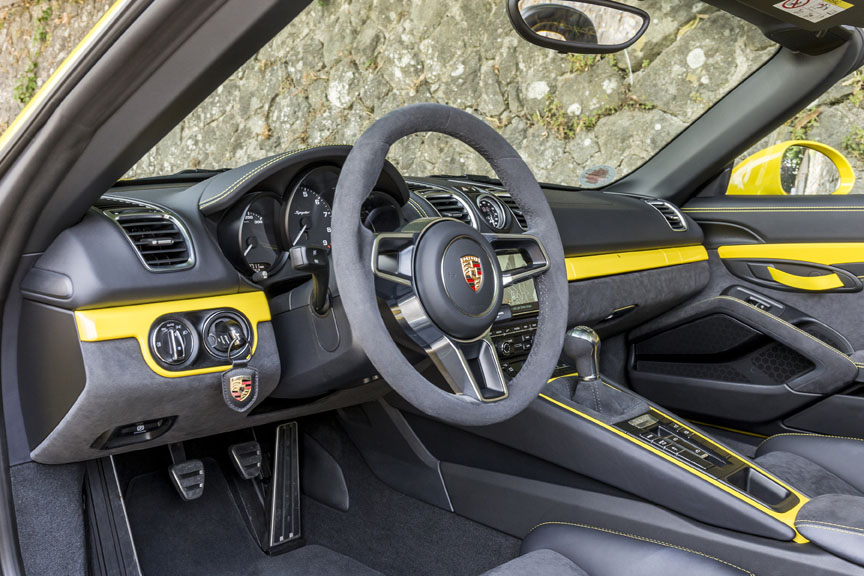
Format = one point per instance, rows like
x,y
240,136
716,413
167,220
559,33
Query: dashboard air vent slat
x,y
449,206
672,215
514,208
157,236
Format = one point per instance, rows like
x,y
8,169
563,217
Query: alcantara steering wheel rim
x,y
402,268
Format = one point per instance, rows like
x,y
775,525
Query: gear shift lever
x,y
582,349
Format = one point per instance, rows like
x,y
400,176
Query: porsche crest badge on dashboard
x,y
472,269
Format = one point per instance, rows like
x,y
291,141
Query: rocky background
x,y
344,63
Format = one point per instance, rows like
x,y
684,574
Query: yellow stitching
x,y
248,175
811,436
831,529
805,521
418,208
644,539
828,346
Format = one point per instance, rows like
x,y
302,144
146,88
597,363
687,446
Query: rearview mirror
x,y
593,27
794,167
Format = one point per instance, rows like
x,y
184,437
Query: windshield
x,y
578,120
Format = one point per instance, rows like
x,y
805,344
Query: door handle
x,y
810,283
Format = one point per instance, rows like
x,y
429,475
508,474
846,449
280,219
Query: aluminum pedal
x,y
247,459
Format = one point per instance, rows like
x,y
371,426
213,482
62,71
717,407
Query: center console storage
x,y
835,522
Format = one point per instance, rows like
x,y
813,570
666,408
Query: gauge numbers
x,y
309,218
492,210
259,238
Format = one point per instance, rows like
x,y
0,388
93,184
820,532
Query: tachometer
x,y
308,213
259,238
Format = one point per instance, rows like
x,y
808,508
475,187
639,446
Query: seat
x,y
814,464
561,549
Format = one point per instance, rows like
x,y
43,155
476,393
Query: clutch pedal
x,y
186,475
247,459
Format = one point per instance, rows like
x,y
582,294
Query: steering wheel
x,y
442,279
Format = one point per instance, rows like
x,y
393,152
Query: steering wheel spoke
x,y
392,253
471,369
534,259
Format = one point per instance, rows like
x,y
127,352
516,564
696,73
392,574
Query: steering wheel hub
x,y
457,279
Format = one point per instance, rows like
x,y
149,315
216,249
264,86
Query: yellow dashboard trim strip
x,y
584,267
135,321
826,253
787,518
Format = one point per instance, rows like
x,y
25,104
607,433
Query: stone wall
x,y
344,63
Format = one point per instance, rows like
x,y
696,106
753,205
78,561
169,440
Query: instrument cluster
x,y
258,232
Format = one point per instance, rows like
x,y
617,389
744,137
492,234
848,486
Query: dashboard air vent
x,y
159,238
517,212
450,206
672,215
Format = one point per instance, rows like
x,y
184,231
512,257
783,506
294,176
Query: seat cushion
x,y
601,552
815,464
538,563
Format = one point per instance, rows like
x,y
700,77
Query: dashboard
x,y
132,313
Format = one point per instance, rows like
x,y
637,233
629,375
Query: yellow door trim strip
x,y
135,321
787,518
826,253
584,267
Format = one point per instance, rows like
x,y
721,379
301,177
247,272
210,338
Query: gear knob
x,y
582,348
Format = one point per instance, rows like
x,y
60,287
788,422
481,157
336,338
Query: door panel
x,y
770,343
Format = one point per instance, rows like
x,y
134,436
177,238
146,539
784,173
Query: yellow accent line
x,y
810,283
787,518
54,80
136,321
735,430
583,267
827,253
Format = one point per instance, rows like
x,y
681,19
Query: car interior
x,y
320,363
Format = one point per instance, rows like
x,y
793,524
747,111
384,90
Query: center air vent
x,y
668,210
450,206
158,237
514,208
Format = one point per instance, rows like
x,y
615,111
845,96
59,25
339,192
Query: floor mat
x,y
392,532
208,537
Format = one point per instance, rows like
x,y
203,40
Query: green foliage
x,y
801,124
857,83
582,62
854,143
566,126
27,84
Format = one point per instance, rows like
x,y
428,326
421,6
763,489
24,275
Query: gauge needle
x,y
251,243
302,230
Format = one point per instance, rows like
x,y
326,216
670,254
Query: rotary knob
x,y
173,342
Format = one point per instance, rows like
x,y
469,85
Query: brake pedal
x,y
247,459
186,475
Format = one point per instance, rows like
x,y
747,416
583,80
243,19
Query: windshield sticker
x,y
597,176
813,10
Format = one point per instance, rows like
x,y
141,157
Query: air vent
x,y
517,212
158,237
449,206
673,217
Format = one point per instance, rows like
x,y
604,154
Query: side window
x,y
817,152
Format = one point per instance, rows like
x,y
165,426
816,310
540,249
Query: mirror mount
x,y
575,31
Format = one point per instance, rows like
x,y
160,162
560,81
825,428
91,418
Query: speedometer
x,y
308,213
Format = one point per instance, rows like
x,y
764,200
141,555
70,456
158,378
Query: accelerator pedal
x,y
285,488
247,459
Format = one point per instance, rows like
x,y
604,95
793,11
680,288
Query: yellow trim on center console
x,y
787,518
136,321
584,267
826,253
